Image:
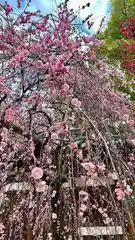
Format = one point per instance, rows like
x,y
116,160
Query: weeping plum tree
x,y
52,105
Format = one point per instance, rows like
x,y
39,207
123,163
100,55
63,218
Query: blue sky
x,y
99,8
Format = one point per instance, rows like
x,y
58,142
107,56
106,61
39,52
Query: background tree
x,y
121,11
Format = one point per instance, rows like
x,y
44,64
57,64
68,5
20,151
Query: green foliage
x,y
110,49
121,10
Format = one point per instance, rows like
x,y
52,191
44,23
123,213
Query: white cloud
x,y
97,7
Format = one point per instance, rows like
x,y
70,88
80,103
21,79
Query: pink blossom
x,y
22,56
128,190
22,19
14,61
8,9
59,66
41,186
119,193
2,83
54,136
61,128
90,182
2,227
133,81
79,154
25,52
19,57
66,87
58,126
53,193
100,210
101,167
37,173
94,206
126,117
75,102
54,93
41,27
47,38
91,166
130,164
92,54
131,157
131,122
87,39
10,115
54,216
133,141
35,47
34,97
113,176
49,161
81,214
39,64
84,195
74,145
84,145
63,92
2,79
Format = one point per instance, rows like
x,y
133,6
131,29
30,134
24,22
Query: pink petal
x,y
74,145
54,136
37,173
